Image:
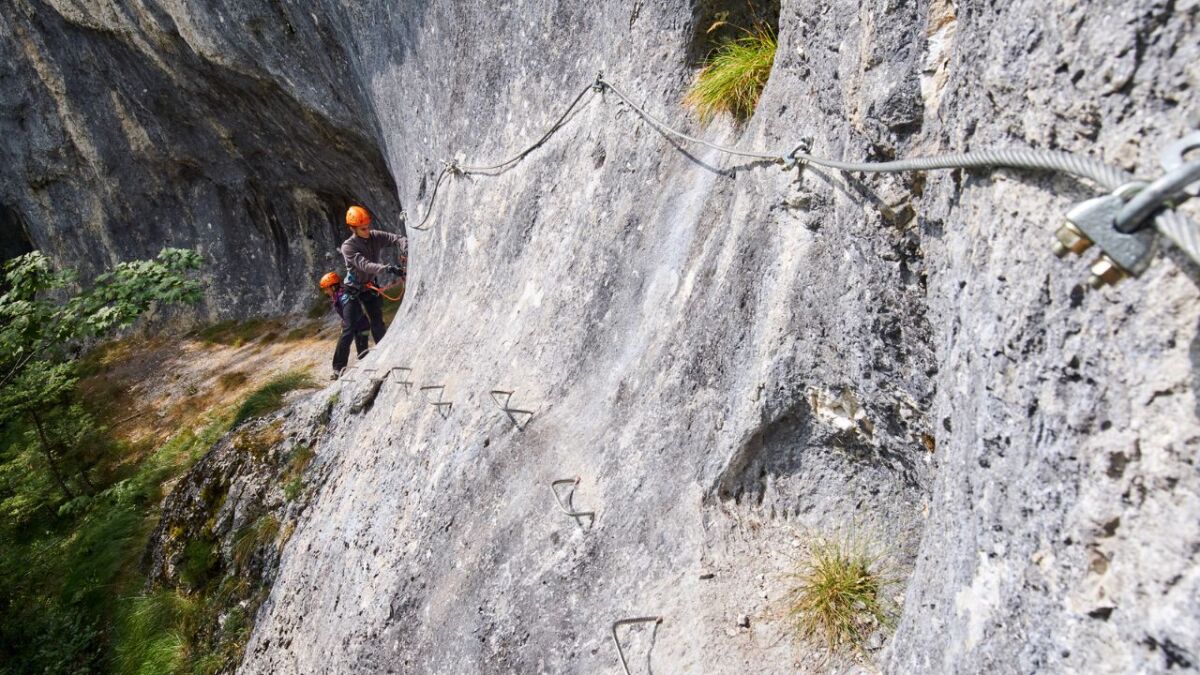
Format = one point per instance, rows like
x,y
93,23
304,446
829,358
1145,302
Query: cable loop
x,y
1170,190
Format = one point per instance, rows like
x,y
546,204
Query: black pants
x,y
361,302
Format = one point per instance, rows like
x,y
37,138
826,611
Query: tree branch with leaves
x,y
44,314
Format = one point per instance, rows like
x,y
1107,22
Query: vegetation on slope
x,y
85,468
839,599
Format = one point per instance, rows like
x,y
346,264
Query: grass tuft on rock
x,y
253,537
839,599
734,76
269,397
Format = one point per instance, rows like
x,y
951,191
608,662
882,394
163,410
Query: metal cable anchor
x,y
568,507
599,85
793,160
443,407
511,412
1095,222
624,622
1117,223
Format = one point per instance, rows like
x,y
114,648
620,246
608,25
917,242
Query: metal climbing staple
x,y
510,411
625,622
443,407
407,384
568,507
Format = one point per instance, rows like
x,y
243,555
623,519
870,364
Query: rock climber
x,y
331,285
362,253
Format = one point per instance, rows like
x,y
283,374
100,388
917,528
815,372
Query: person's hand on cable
x,y
395,270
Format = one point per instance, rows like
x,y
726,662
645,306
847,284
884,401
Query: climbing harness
x,y
1117,225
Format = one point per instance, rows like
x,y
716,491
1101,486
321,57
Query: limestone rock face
x,y
731,358
234,128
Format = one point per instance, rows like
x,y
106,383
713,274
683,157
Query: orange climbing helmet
x,y
331,279
357,216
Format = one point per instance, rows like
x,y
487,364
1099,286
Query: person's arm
x,y
355,260
397,240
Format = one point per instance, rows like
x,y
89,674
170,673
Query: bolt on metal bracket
x,y
625,622
1095,222
407,384
443,407
568,507
511,412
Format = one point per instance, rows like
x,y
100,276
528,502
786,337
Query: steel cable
x,y
1102,174
432,198
1178,228
545,137
663,126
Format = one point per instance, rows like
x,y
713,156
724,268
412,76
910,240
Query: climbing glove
x,y
395,270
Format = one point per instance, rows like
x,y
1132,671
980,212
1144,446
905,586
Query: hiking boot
x,y
336,374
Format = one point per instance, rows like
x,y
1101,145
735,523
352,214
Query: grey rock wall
x,y
233,128
733,358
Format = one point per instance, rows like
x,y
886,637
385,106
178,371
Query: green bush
x,y
253,537
839,600
151,636
200,559
269,397
734,75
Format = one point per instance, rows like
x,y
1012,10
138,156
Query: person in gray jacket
x,y
363,252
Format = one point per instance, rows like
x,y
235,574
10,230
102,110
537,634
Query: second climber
x,y
331,285
363,255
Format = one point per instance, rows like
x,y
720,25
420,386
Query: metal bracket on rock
x,y
407,384
1117,223
443,407
511,412
1095,222
568,507
624,622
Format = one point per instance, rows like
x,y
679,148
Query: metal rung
x,y
443,407
405,383
625,622
568,507
511,412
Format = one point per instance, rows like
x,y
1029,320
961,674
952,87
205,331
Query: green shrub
x,y
294,477
269,397
839,600
253,537
292,488
200,559
151,637
734,75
